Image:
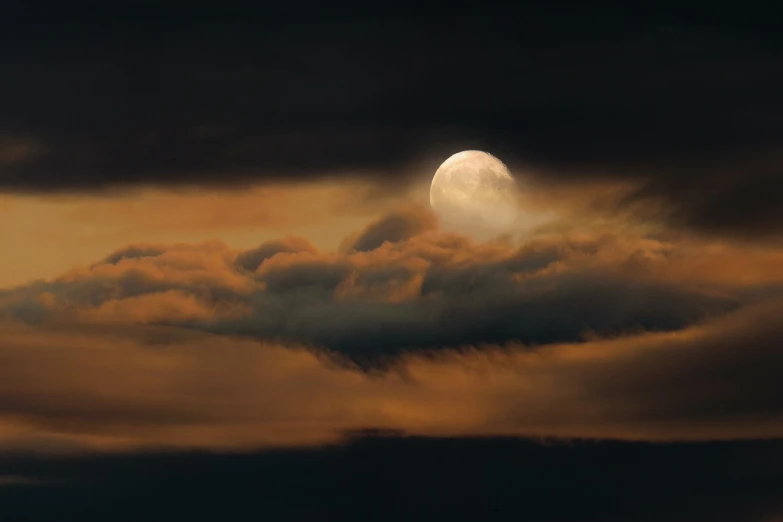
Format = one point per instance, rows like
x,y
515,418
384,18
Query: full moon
x,y
474,189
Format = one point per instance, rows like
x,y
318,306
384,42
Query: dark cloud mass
x,y
684,102
374,381
250,260
399,285
418,479
394,227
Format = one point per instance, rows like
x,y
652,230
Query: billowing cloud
x,y
401,285
405,328
394,227
250,260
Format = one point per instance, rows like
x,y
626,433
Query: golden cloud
x,y
405,328
162,387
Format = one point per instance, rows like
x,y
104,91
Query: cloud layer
x,y
688,112
162,388
397,285
405,328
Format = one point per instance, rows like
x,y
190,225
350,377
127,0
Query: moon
x,y
474,189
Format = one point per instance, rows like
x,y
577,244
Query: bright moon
x,y
474,189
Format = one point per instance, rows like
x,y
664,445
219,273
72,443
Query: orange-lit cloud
x,y
405,327
204,210
53,233
155,387
397,285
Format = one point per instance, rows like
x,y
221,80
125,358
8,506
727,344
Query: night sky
x,y
224,296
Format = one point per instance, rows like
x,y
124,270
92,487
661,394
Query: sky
x,y
223,290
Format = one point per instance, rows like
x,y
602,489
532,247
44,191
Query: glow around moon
x,y
474,189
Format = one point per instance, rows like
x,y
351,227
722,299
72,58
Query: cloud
x,y
401,285
405,328
133,252
623,101
394,227
250,260
416,478
166,387
193,209
53,233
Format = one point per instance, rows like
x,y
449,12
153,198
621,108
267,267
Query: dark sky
x,y
682,101
392,479
686,101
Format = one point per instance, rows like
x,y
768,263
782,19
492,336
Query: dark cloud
x,y
118,388
468,309
250,260
133,252
693,378
200,346
738,199
683,102
397,286
394,227
418,479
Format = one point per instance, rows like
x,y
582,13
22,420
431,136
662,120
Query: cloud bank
x,y
404,328
162,388
398,285
688,112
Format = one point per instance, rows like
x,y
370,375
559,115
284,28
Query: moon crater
x,y
474,189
